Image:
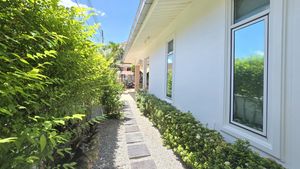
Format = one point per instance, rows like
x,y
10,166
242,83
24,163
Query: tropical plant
x,y
113,51
51,73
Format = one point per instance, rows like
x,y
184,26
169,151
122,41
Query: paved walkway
x,y
134,143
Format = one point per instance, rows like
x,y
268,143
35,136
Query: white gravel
x,y
164,158
113,151
113,147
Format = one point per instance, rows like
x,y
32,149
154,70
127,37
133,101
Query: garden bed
x,y
197,145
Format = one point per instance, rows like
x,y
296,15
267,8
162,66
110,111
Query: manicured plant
x,y
198,146
51,73
249,75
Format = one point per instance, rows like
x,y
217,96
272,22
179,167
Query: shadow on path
x,y
108,144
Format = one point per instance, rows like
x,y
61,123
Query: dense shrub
x,y
51,73
198,146
249,75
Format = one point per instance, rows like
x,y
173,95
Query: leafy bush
x,y
50,74
249,75
169,83
198,146
249,91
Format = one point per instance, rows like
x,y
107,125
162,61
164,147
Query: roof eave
x,y
142,12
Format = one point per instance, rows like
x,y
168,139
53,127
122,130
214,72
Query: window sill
x,y
258,142
168,100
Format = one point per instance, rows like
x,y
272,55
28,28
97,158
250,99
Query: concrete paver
x,y
131,129
145,164
134,137
138,151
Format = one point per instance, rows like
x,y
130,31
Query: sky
x,y
250,40
115,16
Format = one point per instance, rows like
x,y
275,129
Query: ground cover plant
x,y
51,73
198,146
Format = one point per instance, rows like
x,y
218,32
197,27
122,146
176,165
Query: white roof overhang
x,y
151,19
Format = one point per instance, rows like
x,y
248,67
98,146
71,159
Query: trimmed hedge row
x,y
198,146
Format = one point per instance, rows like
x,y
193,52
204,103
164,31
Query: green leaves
x,y
43,142
51,74
249,74
69,165
4,111
24,61
8,140
78,116
198,146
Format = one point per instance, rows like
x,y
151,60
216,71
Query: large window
x,y
249,65
170,55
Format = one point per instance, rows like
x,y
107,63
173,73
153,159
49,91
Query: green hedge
x,y
198,146
51,73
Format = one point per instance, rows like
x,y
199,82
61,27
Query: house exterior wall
x,y
292,115
198,67
199,63
156,72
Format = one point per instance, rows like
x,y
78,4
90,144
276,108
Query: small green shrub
x,y
198,146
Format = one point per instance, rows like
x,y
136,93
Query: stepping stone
x,y
131,129
134,138
128,118
146,164
130,122
138,151
128,115
127,111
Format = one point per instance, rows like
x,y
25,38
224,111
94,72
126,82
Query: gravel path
x,y
114,149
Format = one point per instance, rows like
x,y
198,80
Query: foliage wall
x,y
50,74
249,76
249,91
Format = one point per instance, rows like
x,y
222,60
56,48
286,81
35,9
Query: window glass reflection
x,y
169,75
248,75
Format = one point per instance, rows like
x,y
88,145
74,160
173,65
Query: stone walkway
x,y
137,149
136,140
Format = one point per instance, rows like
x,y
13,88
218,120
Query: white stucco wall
x,y
156,72
292,114
200,36
199,66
